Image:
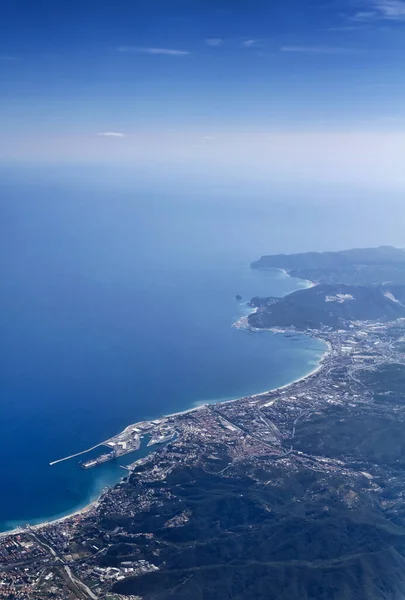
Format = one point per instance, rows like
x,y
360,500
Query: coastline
x,y
76,513
287,274
315,370
94,503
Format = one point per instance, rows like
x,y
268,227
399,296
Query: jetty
x,y
55,462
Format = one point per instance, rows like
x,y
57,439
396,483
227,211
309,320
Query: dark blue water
x,y
116,306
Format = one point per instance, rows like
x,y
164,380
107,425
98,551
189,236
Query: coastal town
x,y
88,555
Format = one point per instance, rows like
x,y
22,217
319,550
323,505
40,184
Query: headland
x,y
280,493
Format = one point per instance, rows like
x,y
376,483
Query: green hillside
x,y
366,266
330,305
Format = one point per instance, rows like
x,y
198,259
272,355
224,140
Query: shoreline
x,y
37,526
93,504
287,274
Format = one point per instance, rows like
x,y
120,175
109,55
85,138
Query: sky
x,y
311,89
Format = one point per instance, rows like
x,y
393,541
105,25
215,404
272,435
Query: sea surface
x,y
116,305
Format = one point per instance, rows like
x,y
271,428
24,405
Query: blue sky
x,y
199,81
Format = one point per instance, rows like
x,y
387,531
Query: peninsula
x,y
296,493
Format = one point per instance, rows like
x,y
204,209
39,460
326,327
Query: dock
x,y
55,462
125,442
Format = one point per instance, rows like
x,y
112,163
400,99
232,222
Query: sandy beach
x,y
79,512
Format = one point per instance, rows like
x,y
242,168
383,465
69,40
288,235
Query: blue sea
x,y
117,304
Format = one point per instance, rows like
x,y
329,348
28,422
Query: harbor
x,y
126,442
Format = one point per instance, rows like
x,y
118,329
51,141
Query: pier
x,y
55,462
125,442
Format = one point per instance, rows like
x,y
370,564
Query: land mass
x,y
360,266
296,493
332,305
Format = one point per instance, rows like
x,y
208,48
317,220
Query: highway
x,y
80,588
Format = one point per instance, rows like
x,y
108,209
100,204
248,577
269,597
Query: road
x,y
81,588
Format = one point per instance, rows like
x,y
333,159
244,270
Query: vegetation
x,y
330,305
249,539
367,266
387,383
270,531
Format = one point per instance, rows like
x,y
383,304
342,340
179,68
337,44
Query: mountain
x,y
367,266
330,305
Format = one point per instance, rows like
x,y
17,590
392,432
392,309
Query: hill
x,y
359,266
330,305
246,539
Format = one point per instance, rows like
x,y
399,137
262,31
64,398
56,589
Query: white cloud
x,y
155,51
113,134
318,50
364,15
374,10
249,43
214,42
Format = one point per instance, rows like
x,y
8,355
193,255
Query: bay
x,y
117,305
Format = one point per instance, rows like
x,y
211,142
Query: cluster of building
x,y
71,557
27,571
